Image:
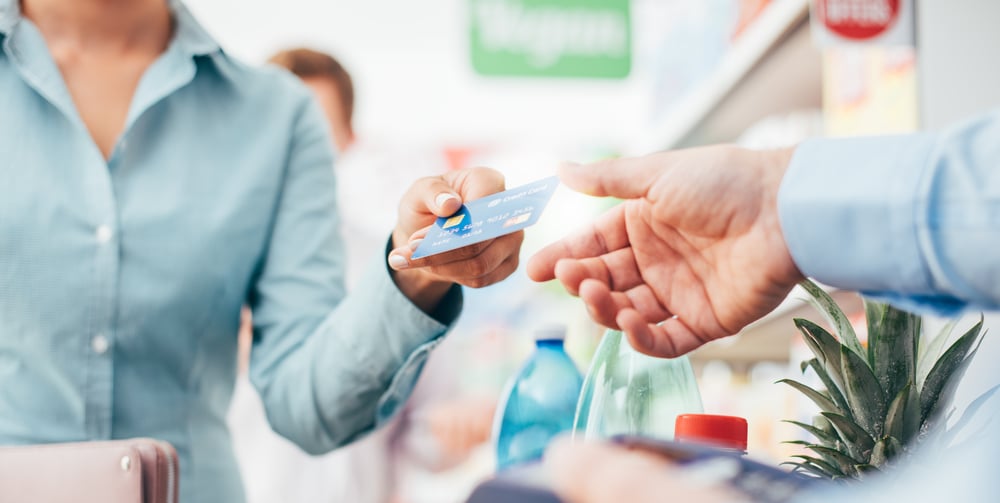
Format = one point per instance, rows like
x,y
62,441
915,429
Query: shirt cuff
x,y
850,211
436,323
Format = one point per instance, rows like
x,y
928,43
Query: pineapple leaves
x,y
824,403
837,319
834,457
885,451
882,399
932,351
824,468
822,435
946,373
824,346
874,312
812,469
858,442
892,347
831,388
902,422
864,394
865,470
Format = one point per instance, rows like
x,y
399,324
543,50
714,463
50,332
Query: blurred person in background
x,y
436,430
153,185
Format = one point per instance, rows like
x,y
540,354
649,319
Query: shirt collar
x,y
189,36
10,12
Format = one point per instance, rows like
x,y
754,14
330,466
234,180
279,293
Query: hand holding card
x,y
489,217
477,258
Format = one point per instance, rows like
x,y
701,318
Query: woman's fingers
x,y
476,265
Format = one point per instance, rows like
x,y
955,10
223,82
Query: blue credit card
x,y
489,217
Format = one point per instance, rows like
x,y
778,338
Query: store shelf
x,y
772,68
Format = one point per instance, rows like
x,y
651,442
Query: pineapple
x,y
879,401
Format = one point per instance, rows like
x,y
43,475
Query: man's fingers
x,y
617,269
605,305
605,235
643,300
669,339
602,306
626,178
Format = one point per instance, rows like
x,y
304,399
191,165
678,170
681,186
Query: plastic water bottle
x,y
627,392
539,402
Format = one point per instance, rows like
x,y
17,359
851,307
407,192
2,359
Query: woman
x,y
149,187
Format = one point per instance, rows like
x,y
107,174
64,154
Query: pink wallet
x,y
139,470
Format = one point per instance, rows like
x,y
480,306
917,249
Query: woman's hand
x,y
426,280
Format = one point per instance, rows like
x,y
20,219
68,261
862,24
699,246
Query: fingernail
x,y
415,243
398,262
443,198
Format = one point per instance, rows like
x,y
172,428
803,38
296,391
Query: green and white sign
x,y
551,38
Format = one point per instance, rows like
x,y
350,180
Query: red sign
x,y
858,19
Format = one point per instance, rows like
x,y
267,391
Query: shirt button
x,y
104,234
99,344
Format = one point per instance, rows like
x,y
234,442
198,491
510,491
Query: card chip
x,y
453,221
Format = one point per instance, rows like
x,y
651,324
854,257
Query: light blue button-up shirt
x,y
911,219
121,281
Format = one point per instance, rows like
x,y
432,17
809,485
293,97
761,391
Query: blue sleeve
x,y
913,219
329,366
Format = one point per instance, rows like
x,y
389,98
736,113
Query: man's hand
x,y
696,245
426,280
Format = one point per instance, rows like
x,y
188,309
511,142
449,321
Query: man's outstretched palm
x,y
696,245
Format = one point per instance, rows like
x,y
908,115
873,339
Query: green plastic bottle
x,y
627,392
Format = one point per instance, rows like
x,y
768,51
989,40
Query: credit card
x,y
489,217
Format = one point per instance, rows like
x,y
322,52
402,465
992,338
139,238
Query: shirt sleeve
x,y
912,219
330,367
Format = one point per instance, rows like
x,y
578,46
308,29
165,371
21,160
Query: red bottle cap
x,y
729,432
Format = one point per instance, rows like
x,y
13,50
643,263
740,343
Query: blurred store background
x,y
520,85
